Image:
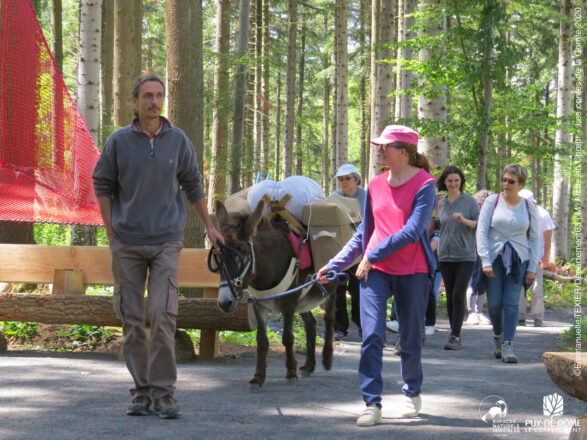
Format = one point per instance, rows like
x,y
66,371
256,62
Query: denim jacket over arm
x,y
416,228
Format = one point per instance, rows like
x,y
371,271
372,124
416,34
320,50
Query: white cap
x,y
346,169
527,194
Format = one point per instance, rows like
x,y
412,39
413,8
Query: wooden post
x,y
68,282
209,338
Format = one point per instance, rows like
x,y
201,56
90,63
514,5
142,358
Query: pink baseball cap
x,y
396,133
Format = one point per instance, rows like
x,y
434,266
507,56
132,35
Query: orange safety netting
x,y
46,153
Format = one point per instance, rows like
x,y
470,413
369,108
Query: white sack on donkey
x,y
303,191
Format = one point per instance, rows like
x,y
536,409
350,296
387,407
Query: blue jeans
x,y
503,297
411,298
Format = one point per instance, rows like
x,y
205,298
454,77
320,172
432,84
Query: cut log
x,y
569,372
564,279
196,313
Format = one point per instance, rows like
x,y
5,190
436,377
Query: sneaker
x,y
410,406
483,320
497,346
139,406
339,335
429,330
392,326
521,322
371,416
166,407
508,355
472,319
453,343
538,323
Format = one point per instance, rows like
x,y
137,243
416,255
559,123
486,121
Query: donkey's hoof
x,y
327,364
292,380
306,372
254,387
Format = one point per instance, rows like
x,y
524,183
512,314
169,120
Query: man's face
x,y
149,104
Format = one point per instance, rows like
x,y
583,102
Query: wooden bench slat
x,y
36,264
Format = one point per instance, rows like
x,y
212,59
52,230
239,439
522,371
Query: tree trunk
x,y
265,88
433,107
403,101
373,89
218,169
184,96
239,97
560,194
257,115
487,97
106,71
299,150
342,126
278,127
363,110
88,73
333,143
384,82
200,313
325,114
290,90
128,15
57,34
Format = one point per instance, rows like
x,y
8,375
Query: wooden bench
x,y
69,267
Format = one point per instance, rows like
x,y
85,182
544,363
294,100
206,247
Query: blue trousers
x,y
503,297
411,298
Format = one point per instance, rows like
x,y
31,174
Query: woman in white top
x,y
509,247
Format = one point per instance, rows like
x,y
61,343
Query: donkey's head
x,y
236,261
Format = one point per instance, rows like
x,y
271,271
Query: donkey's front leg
x,y
258,380
291,364
310,325
330,311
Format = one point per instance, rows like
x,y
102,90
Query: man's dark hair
x,y
451,169
142,80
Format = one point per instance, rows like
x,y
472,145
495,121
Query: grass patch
x,y
575,336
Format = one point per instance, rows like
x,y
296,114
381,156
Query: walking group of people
x,y
145,166
487,243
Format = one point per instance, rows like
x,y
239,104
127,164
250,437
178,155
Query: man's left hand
x,y
214,236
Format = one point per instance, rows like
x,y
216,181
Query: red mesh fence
x,y
46,153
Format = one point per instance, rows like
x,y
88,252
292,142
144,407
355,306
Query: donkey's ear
x,y
221,213
254,219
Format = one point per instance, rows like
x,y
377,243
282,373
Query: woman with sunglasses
x,y
509,247
397,259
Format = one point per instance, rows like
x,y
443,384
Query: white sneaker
x,y
472,319
429,330
370,416
410,406
484,320
392,326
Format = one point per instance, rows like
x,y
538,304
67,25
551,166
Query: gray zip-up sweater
x,y
457,240
144,177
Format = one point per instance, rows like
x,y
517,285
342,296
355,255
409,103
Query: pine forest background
x,y
292,87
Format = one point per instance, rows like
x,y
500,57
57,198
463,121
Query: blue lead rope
x,y
339,277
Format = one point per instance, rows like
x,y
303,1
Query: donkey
x,y
262,256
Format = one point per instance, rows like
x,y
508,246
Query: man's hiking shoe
x,y
167,407
370,416
139,406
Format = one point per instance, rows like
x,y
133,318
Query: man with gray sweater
x,y
138,182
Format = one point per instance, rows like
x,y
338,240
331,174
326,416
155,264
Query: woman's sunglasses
x,y
510,181
344,178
